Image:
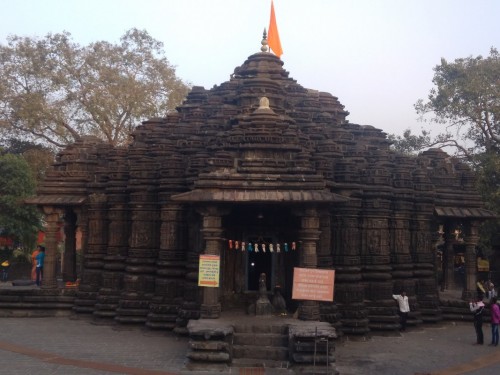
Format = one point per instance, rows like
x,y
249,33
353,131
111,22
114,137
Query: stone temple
x,y
269,176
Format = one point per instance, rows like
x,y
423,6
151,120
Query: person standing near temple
x,y
40,258
33,263
477,308
404,308
495,320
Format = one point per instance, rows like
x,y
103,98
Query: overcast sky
x,y
376,56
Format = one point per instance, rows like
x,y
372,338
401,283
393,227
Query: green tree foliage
x,y
465,104
38,157
409,143
17,220
53,90
463,109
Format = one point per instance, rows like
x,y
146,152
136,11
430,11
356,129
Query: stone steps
x,y
261,345
264,363
35,302
258,352
263,339
281,329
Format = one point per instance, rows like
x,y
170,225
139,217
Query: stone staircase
x,y
256,345
32,302
261,346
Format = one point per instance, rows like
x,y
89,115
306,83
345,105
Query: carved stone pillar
x,y
449,275
376,260
325,259
309,236
139,278
471,240
118,235
52,218
349,290
116,255
93,254
169,283
212,232
82,225
69,256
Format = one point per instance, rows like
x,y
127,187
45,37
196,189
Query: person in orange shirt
x,y
33,262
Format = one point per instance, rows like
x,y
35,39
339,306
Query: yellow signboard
x,y
483,265
208,273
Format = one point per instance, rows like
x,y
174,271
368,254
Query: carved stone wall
x,y
259,141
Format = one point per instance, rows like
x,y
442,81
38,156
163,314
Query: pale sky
x,y
376,56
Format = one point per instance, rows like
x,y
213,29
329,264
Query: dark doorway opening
x,y
258,263
241,266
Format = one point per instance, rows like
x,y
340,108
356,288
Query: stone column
x,y
471,240
52,218
212,232
437,240
309,235
449,272
69,256
93,253
169,282
325,259
82,224
349,290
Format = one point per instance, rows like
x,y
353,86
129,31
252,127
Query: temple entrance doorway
x,y
260,262
258,239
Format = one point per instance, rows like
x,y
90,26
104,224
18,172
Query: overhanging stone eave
x,y
465,212
56,200
259,196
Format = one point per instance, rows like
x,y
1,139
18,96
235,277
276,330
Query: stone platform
x,y
281,343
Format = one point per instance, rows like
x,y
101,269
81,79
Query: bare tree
x,y
53,90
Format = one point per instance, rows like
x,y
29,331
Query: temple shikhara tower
x,y
267,175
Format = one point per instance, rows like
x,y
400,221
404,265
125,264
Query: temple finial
x,y
264,47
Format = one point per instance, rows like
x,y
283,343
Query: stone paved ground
x,y
63,346
443,349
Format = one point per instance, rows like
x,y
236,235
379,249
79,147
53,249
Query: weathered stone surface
x,y
208,329
209,356
311,330
209,345
259,160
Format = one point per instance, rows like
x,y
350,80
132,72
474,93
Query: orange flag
x,y
273,38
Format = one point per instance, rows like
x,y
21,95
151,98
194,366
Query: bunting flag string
x,y
262,246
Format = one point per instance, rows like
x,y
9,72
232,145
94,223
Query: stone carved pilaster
x,y
192,298
426,304
349,290
53,219
325,240
449,256
139,278
402,265
118,234
93,254
376,262
471,240
169,283
212,234
116,255
309,235
82,225
69,256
